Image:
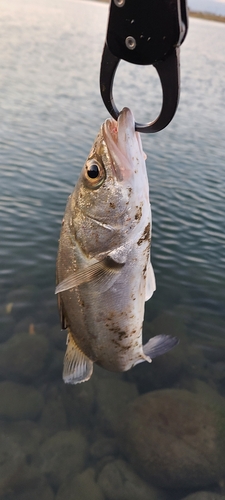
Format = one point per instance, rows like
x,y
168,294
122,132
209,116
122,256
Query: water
x,y
50,113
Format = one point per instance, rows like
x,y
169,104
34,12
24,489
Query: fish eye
x,y
95,173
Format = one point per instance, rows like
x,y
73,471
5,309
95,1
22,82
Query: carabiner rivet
x,y
119,3
130,42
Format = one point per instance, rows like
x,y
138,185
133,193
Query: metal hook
x,y
145,32
169,74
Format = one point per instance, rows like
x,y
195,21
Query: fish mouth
x,y
123,143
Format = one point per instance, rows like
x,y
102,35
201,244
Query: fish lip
x,y
126,119
117,136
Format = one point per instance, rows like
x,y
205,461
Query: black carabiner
x,y
145,32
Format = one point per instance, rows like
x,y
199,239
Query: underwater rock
x,y
79,402
43,492
112,395
119,482
54,369
62,455
103,447
19,402
204,495
53,417
12,462
204,390
27,484
18,480
58,337
198,365
174,438
23,356
25,433
81,487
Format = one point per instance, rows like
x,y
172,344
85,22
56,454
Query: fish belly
x,y
114,317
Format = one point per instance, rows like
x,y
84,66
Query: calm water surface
x,y
50,111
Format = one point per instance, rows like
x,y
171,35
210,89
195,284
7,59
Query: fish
x,y
104,273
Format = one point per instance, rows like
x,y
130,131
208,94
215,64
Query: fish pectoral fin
x,y
100,272
150,282
159,345
77,367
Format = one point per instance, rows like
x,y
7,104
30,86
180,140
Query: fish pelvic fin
x,y
150,282
77,366
101,273
159,345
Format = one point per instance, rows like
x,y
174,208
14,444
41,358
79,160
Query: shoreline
x,y
208,16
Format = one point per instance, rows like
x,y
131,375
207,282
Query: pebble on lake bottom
x,y
175,438
119,482
204,495
81,487
18,402
62,455
23,357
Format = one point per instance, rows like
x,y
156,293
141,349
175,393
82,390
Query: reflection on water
x,y
156,432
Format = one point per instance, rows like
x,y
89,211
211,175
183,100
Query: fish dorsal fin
x,y
77,367
159,345
100,272
150,282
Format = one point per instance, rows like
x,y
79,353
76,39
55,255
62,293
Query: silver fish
x,y
104,273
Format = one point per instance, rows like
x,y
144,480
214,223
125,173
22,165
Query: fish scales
x,y
104,273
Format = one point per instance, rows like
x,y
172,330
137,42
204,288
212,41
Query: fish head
x,y
112,190
126,153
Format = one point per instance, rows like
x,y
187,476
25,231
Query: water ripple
x,y
51,112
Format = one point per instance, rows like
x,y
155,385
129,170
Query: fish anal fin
x,y
159,345
77,366
102,272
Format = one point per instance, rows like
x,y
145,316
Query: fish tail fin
x,y
159,345
77,366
